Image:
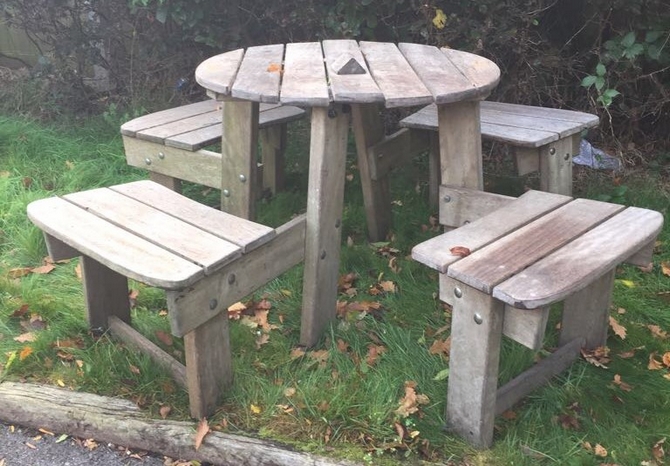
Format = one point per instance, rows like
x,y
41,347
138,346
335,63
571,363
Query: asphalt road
x,y
27,447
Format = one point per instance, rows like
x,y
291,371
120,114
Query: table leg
x,y
239,145
369,130
325,198
460,144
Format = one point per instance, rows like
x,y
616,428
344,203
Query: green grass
x,y
331,400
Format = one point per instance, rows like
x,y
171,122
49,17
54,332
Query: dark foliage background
x,y
610,57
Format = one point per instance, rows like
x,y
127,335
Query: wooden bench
x,y
170,143
508,268
543,139
205,259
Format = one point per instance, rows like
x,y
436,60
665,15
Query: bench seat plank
x,y
435,252
567,270
244,233
170,115
112,246
160,133
575,116
495,263
181,238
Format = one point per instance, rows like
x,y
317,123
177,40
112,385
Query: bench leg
x,y
168,181
434,173
476,331
105,293
586,313
209,368
556,167
273,145
369,130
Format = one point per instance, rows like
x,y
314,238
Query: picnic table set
x,y
502,263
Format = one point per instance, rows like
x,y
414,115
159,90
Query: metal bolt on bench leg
x,y
226,193
478,318
243,178
213,303
458,292
161,155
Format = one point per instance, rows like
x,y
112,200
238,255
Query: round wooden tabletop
x,y
317,74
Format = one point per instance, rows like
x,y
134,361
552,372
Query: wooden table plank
x,y
596,252
162,117
304,81
244,233
497,262
259,74
481,72
112,246
181,238
435,252
356,88
394,75
218,73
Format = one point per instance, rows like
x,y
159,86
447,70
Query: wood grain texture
x,y
160,134
460,145
481,72
459,206
114,247
304,81
394,75
556,167
259,74
59,250
526,326
327,160
169,182
435,252
356,88
218,73
509,256
246,234
597,251
395,150
121,422
170,115
105,293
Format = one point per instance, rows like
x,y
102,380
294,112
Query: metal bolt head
x,y
243,178
323,254
446,198
231,278
147,161
458,292
566,157
213,303
552,150
338,223
161,155
226,193
478,318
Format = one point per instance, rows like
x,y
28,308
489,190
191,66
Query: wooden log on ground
x,y
121,422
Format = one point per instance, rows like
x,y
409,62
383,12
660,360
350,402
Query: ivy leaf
x,y
600,69
588,81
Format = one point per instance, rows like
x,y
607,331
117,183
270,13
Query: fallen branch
x,y
121,422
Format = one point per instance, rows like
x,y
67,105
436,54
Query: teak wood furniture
x,y
339,79
170,144
543,139
203,258
501,273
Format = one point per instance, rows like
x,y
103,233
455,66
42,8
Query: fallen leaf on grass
x,y
43,269
255,409
599,450
289,392
654,364
665,268
164,337
90,444
19,272
666,359
21,311
657,332
441,346
410,403
618,329
297,353
25,352
598,357
320,356
164,411
342,346
262,339
77,271
569,422
26,337
200,432
621,384
658,451
374,351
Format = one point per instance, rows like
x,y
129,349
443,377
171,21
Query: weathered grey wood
x,y
482,73
644,256
459,206
527,160
209,366
193,306
155,226
357,88
244,233
59,250
368,131
159,134
563,128
435,252
259,74
394,75
202,167
537,375
131,127
238,158
105,293
130,256
608,244
304,81
395,150
327,161
132,337
586,313
495,263
272,147
526,326
434,172
556,167
460,145
585,119
170,182
121,422
217,74
476,331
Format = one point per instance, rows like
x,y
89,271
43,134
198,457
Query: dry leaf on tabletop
x,y
618,329
274,68
460,251
200,432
